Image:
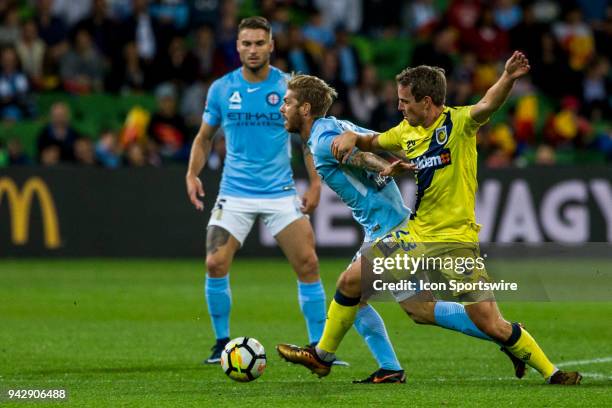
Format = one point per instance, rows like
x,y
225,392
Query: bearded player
x,y
257,182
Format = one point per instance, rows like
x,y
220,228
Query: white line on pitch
x,y
585,362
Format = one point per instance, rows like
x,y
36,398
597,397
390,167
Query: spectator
x,y
82,68
52,30
131,76
379,15
345,13
107,150
487,41
56,140
10,31
567,128
102,29
16,154
204,51
84,152
331,74
348,58
386,115
192,104
14,88
174,13
135,155
438,52
71,11
299,58
31,51
525,36
317,34
508,14
463,15
576,38
421,17
597,89
363,98
179,65
551,59
167,128
144,30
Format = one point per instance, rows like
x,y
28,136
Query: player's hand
x,y
310,199
343,145
397,168
517,65
195,190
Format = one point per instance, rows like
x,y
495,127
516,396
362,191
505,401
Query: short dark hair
x,y
423,81
313,90
255,23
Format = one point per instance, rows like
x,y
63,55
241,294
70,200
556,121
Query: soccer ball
x,y
243,359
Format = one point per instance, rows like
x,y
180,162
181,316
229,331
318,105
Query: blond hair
x,y
315,91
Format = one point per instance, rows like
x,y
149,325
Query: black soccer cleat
x,y
217,349
519,365
382,376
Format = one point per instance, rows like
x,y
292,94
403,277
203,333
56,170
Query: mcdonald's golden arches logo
x,y
20,203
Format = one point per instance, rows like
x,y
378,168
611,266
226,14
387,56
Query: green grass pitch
x,y
133,333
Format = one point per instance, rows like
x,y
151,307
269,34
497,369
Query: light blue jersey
x,y
257,163
376,201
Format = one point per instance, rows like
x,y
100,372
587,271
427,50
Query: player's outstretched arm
x,y
200,149
343,145
310,199
516,66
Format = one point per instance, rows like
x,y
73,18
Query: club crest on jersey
x,y
441,135
235,101
273,98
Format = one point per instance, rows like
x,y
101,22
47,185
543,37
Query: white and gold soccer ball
x,y
243,359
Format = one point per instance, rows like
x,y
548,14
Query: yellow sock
x,y
528,350
339,320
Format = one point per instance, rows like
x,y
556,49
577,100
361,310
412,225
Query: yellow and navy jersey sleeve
x,y
464,122
392,139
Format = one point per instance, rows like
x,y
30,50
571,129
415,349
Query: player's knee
x,y
349,283
308,267
216,267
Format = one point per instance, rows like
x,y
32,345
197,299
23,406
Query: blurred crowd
x,y
174,49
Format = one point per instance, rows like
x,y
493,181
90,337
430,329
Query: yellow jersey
x,y
446,158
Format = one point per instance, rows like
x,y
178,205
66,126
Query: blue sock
x,y
219,301
312,303
451,315
371,327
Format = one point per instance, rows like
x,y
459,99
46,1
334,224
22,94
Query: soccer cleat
x,y
215,356
565,378
305,356
382,376
519,365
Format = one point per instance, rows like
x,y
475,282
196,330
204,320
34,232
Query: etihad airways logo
x,y
437,161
